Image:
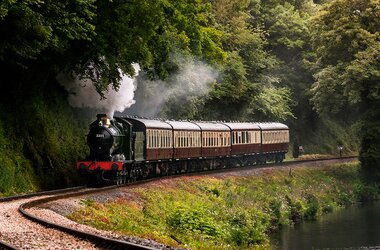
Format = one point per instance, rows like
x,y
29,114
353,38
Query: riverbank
x,y
227,211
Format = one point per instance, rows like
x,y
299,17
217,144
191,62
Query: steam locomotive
x,y
125,149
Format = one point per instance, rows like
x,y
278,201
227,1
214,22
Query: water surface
x,y
355,227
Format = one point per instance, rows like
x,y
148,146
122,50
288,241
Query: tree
x,y
347,44
97,39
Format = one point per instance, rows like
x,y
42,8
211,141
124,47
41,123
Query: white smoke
x,y
192,79
82,93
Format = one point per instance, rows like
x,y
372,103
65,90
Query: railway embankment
x,y
227,210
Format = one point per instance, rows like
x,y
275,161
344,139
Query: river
x,y
356,227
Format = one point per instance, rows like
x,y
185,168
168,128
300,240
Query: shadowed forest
x,y
313,65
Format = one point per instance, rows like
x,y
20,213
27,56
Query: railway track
x,y
100,241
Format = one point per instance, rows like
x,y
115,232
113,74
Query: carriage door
x,y
139,146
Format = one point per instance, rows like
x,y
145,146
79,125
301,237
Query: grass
x,y
231,213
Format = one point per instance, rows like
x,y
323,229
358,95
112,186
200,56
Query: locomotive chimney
x,y
103,120
101,116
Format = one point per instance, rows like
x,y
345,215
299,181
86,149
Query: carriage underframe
x,y
133,171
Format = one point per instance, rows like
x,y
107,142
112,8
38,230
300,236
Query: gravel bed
x,y
16,230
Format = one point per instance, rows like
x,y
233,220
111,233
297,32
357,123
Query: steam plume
x,y
82,94
192,79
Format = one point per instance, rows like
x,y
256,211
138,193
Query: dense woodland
x,y
314,65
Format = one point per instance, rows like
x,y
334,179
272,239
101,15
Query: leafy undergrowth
x,y
229,213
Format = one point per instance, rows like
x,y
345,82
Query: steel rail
x,y
4,245
35,194
98,240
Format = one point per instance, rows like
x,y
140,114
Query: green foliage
x,y
230,213
346,41
370,146
190,220
41,141
41,26
53,142
126,32
275,103
97,39
17,175
248,227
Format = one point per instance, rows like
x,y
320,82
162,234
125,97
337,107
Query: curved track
x,y
109,243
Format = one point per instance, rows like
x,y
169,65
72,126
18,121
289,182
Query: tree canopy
x,y
347,69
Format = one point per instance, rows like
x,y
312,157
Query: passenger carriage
x,y
216,139
274,140
152,139
187,140
246,138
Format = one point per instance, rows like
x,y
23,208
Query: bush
x,y
186,220
248,227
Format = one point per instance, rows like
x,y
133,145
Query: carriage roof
x,y
184,125
272,126
149,123
242,126
212,126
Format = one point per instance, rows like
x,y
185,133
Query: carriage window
x,y
162,138
153,139
282,136
165,137
270,137
265,137
156,138
160,143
